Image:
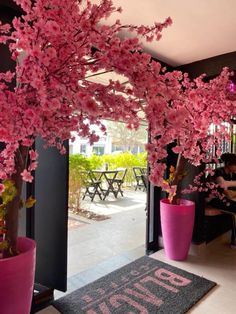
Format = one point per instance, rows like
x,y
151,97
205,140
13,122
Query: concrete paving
x,y
92,242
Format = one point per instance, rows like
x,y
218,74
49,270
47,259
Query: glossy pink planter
x,y
17,279
177,228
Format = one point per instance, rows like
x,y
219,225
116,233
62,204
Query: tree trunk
x,y
179,174
12,212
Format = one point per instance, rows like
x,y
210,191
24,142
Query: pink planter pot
x,y
177,228
17,279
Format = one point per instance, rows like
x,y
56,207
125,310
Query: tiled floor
x,y
101,269
97,248
217,262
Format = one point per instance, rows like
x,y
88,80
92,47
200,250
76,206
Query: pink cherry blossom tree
x,y
57,45
186,120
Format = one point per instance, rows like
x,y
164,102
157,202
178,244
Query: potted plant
x,y
57,46
186,123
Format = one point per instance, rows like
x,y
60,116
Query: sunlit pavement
x,y
91,242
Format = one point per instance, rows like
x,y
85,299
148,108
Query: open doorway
x,y
107,214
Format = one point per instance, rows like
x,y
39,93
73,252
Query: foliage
x,y
141,159
77,163
96,162
114,161
168,184
8,194
126,160
75,190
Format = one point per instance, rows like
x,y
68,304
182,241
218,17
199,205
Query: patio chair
x,y
139,174
91,184
145,181
118,181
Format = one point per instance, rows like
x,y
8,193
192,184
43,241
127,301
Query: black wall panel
x,y
50,217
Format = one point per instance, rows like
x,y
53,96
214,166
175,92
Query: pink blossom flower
x,y
52,27
33,154
26,176
33,166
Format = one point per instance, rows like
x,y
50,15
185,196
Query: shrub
x,y
126,160
96,162
77,163
122,160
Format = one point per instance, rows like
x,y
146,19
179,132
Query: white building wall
x,y
105,141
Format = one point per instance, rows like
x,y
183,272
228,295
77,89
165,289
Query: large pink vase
x,y
177,228
17,279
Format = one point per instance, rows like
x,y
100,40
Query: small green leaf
x,y
30,202
2,212
10,191
3,245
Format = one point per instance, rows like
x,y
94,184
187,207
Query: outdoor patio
x,y
94,247
91,242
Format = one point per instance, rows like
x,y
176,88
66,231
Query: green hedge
x,y
114,161
76,164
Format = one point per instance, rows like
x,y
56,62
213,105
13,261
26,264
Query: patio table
x,y
109,177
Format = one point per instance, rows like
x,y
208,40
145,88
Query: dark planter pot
x,y
17,279
177,223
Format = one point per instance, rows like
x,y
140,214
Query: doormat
x,y
143,286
